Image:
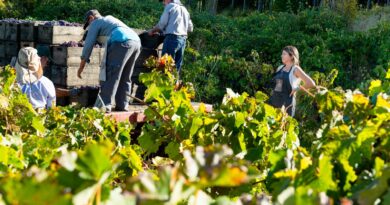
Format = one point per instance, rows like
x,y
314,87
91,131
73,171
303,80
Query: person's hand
x,y
151,32
294,91
79,71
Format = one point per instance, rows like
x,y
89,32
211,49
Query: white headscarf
x,y
28,66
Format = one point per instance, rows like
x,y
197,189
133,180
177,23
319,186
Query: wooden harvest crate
x,y
59,34
24,44
11,48
145,54
4,61
29,30
70,56
2,49
67,76
12,31
2,30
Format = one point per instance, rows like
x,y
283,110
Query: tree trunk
x,y
212,6
260,5
232,5
244,6
368,4
332,4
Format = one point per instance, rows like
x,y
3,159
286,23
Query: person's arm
x,y
90,40
163,21
81,68
190,25
51,94
308,82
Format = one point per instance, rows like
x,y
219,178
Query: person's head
x,y
290,55
166,2
44,54
28,66
90,16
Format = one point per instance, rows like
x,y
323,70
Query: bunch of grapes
x,y
15,21
62,23
72,44
78,44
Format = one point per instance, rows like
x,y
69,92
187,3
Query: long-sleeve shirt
x,y
41,94
106,26
175,20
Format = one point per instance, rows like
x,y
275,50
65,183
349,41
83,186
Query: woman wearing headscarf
x,y
29,75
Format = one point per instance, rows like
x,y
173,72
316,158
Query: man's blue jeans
x,y
175,45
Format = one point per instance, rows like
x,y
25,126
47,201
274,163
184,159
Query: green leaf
x,y
196,124
94,161
241,141
351,176
240,119
254,154
325,175
134,160
173,150
38,124
152,93
378,167
32,192
148,143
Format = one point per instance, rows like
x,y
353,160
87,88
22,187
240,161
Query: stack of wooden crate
x,y
9,41
65,61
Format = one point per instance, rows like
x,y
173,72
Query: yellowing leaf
x,y
240,119
286,173
351,176
305,163
196,124
231,177
382,102
375,87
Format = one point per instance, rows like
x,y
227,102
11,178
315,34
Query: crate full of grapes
x,y
29,30
69,54
2,29
58,33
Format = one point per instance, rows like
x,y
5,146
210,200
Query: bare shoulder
x,y
298,71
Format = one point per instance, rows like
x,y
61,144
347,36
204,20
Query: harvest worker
x,y
29,75
175,23
122,50
288,79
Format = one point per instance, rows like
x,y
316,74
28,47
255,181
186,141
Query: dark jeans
x,y
120,62
175,45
